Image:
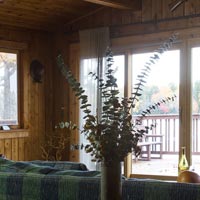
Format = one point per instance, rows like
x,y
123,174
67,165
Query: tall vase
x,y
111,182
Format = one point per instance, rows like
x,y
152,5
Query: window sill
x,y
14,133
159,177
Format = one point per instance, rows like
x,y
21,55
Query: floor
x,y
168,165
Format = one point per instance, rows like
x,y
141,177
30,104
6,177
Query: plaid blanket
x,y
35,182
149,189
62,165
29,167
30,181
29,186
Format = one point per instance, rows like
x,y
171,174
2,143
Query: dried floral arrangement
x,y
55,145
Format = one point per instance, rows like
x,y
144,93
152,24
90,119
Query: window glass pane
x,y
163,81
8,89
89,84
196,108
118,66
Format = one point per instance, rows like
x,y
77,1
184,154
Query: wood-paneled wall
x,y
45,104
155,16
61,95
74,61
36,98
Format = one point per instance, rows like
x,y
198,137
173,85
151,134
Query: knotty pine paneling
x,y
42,15
146,10
61,94
8,148
192,7
166,13
42,50
15,147
156,9
153,13
21,149
74,63
2,144
36,113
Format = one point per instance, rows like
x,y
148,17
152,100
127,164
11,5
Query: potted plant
x,y
115,134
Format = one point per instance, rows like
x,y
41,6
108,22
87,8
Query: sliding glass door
x,y
162,143
195,65
176,123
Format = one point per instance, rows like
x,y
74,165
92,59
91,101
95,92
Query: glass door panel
x,y
195,59
160,156
90,86
118,67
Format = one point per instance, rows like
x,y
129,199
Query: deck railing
x,y
168,125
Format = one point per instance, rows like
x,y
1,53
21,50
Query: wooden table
x,y
148,142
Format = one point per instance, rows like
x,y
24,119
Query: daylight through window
x,y
8,89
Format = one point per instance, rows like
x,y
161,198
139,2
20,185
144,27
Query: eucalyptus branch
x,y
152,107
147,68
115,134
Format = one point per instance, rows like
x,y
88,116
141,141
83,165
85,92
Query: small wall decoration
x,y
36,71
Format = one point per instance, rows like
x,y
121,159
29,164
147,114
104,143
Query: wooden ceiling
x,y
49,15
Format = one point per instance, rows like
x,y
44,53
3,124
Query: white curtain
x,y
93,44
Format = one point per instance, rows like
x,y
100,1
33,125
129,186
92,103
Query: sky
x,y
165,71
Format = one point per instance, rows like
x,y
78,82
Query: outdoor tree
x,y
8,99
196,96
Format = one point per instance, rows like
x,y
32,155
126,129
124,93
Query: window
x,y
180,126
8,88
90,85
163,81
195,63
118,66
178,122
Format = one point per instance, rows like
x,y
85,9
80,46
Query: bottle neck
x,y
183,150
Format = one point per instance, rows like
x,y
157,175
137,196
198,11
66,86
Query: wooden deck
x,y
167,166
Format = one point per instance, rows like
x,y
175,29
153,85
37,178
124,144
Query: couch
x,y
43,180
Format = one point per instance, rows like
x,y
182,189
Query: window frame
x,y
8,50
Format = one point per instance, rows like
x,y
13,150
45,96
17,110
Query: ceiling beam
x,y
126,5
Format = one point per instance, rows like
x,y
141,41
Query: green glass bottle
x,y
183,163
